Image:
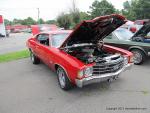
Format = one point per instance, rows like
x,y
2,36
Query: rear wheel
x,y
34,59
63,79
138,56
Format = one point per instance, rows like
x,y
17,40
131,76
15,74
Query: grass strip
x,y
14,56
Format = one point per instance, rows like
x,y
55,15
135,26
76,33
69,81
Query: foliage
x,y
84,16
41,21
14,56
69,21
75,13
142,9
28,21
64,20
101,8
136,9
16,21
133,9
74,17
51,22
7,22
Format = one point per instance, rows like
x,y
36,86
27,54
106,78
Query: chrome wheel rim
x,y
61,77
137,57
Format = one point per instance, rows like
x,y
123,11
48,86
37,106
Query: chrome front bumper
x,y
103,77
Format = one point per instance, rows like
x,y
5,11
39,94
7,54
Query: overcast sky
x,y
49,9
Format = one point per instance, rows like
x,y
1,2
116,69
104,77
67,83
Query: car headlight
x,y
88,71
85,72
125,60
80,74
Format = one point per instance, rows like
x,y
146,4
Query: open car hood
x,y
143,30
91,31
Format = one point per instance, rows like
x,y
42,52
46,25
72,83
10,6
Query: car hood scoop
x,y
91,31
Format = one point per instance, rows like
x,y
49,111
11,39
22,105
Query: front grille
x,y
103,68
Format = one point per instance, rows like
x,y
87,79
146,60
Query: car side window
x,y
112,37
109,36
43,39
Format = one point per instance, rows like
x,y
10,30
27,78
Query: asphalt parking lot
x,y
16,42
28,88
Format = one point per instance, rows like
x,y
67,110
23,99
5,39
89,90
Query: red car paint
x,y
1,19
52,56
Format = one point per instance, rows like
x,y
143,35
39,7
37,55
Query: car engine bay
x,y
105,62
91,53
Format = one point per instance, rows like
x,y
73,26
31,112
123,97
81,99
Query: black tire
x,y
63,79
34,59
139,56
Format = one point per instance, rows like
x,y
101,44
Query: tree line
x,y
132,10
28,21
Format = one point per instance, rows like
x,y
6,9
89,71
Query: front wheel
x,y
63,79
138,56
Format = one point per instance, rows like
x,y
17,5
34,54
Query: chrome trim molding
x,y
102,77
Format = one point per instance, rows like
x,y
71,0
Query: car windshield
x,y
123,34
58,39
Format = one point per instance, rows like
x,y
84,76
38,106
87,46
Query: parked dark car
x,y
143,35
122,38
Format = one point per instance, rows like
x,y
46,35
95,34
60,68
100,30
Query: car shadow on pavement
x,y
101,88
92,88
96,87
146,63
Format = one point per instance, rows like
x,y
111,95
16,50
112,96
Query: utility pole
x,y
38,15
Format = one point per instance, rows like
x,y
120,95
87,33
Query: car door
x,y
113,40
45,50
42,46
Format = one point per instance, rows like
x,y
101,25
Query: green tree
x,y
7,22
75,13
84,16
142,9
16,21
41,21
28,21
64,20
136,9
51,22
101,8
128,9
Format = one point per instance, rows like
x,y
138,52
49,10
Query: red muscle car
x,y
80,57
